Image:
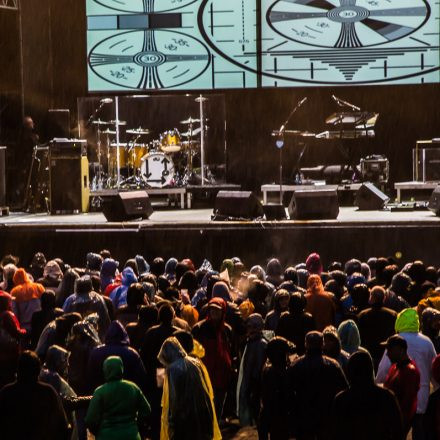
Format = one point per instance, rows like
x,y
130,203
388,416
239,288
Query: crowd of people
x,y
167,350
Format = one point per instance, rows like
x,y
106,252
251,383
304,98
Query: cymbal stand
x,y
280,142
201,100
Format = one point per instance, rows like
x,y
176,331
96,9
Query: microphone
x,y
106,101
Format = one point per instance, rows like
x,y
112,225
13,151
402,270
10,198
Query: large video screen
x,y
142,45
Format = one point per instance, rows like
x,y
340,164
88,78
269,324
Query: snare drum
x,y
170,141
157,170
114,151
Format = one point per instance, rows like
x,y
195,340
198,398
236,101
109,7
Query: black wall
x,y
54,62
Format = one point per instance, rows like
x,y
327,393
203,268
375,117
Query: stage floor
x,y
191,233
347,216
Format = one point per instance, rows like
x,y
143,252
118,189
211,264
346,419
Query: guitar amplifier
x,y
68,176
426,161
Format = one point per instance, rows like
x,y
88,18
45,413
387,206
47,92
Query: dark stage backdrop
x,y
54,62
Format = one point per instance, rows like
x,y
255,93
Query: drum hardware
x,y
100,122
117,122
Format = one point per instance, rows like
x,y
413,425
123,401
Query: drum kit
x,y
157,163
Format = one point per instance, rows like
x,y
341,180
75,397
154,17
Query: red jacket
x,y
404,380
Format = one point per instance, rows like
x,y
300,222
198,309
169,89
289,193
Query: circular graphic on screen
x,y
347,23
134,6
134,60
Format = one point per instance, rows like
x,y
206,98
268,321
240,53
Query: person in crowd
x,y
42,317
109,270
251,366
135,299
67,286
332,346
403,378
320,304
147,317
431,326
215,335
56,332
353,266
280,305
116,343
185,396
398,290
274,272
314,264
8,275
432,416
170,269
36,268
26,296
365,411
55,373
422,352
376,324
151,345
274,414
314,381
93,263
10,337
350,337
82,339
44,417
379,279
431,299
52,275
295,324
118,407
86,301
119,294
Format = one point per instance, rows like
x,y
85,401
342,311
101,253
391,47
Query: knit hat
x,y
313,264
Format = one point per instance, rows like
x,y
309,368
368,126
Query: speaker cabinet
x,y
370,198
274,212
237,204
126,206
69,184
434,202
314,205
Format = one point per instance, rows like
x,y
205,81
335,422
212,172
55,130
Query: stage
x,y
191,233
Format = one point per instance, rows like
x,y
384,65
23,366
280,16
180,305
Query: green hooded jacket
x,y
116,406
407,321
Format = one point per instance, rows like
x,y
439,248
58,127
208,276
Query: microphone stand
x,y
280,142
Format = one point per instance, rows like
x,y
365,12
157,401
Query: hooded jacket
x,y
108,272
116,406
27,296
119,295
364,411
116,344
420,349
186,396
216,340
350,336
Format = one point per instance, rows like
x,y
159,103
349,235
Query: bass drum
x,y
157,170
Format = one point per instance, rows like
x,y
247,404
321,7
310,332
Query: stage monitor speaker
x,y
370,198
314,205
58,123
126,206
274,212
69,184
434,201
237,204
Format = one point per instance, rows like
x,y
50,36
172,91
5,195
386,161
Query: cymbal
x,y
190,120
127,145
139,131
108,131
118,122
192,133
100,122
201,99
